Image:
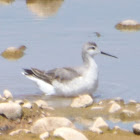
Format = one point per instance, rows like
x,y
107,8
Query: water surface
x,y
54,32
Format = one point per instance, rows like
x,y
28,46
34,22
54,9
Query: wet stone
x,y
82,101
136,128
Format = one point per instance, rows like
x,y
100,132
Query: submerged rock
x,y
128,25
136,128
11,110
126,114
69,134
50,124
7,94
82,101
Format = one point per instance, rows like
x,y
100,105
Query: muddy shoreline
x,y
30,119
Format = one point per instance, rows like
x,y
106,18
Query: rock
x,y
138,107
27,105
18,131
20,102
126,114
97,108
82,101
129,22
132,102
114,108
99,123
13,53
41,104
119,100
96,130
50,124
7,94
30,121
69,134
136,128
43,136
11,110
128,25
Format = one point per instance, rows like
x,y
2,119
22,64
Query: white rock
x,y
99,123
30,121
16,132
43,136
7,94
136,128
138,106
11,110
129,22
111,102
82,101
27,105
132,102
114,108
96,130
97,108
41,104
69,134
20,102
50,124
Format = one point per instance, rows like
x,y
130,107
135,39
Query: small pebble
x,y
41,104
99,123
27,105
7,94
114,108
20,102
43,136
82,101
96,130
136,128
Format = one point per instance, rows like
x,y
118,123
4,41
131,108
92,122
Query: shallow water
x,y
54,32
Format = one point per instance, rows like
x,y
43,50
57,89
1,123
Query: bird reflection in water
x,y
44,8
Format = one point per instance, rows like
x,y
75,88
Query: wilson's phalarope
x,y
70,81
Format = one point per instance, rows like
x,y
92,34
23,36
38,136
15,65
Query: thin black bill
x,y
108,54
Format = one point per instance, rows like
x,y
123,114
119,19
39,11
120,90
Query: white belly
x,y
85,84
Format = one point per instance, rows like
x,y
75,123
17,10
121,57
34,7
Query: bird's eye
x,y
92,48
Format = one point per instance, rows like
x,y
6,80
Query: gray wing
x,y
63,74
59,74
